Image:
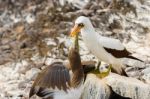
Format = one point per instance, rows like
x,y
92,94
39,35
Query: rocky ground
x,y
34,34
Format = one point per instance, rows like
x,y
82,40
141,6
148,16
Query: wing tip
x,y
32,92
132,57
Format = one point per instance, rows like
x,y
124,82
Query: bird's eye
x,y
81,25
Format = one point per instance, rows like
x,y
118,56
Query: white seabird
x,y
106,49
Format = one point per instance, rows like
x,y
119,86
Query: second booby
x,y
55,81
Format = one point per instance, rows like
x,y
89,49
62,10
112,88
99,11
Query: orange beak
x,y
76,29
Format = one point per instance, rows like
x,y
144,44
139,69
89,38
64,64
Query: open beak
x,y
76,29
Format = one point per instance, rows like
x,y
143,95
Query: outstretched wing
x,y
54,76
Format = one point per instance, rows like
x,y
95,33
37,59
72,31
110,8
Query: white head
x,y
85,21
81,23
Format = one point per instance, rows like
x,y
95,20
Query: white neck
x,y
88,31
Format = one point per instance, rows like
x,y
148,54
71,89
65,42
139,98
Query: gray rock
x,y
96,88
129,87
146,78
133,63
32,73
146,71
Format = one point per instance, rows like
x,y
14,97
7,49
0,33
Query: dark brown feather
x,y
51,77
121,53
58,78
118,53
45,93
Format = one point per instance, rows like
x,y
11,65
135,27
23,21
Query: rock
x,y
30,18
96,88
133,72
146,70
21,67
133,63
32,73
129,87
78,3
146,78
49,61
51,42
5,47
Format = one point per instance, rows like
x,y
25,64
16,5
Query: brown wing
x,y
55,75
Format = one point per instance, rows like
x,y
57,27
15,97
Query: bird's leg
x,y
98,63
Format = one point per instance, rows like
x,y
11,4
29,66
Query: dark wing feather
x,y
118,53
121,53
58,78
67,77
45,93
55,75
132,57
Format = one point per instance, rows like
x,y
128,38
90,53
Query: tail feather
x,y
132,57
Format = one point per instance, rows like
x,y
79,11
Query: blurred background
x,y
35,33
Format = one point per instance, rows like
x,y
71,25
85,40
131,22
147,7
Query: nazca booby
x,y
106,49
